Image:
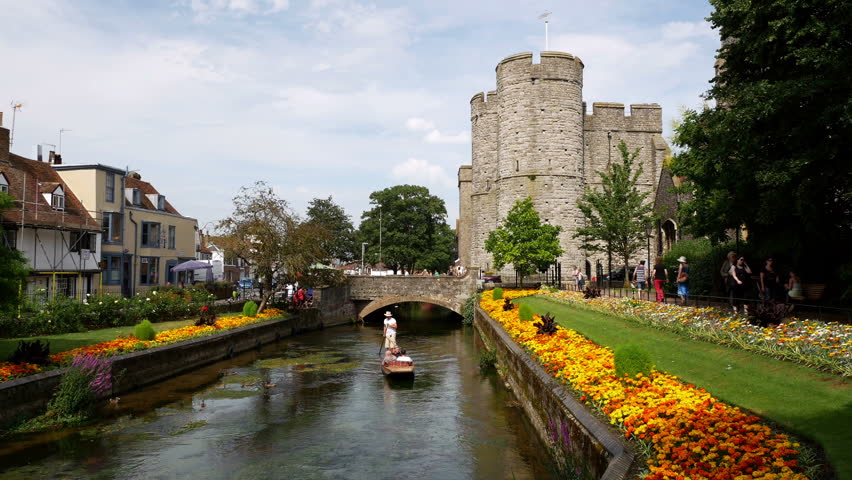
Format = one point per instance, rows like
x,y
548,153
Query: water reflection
x,y
315,407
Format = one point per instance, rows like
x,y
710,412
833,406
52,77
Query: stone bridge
x,y
371,293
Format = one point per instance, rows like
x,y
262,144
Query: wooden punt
x,y
398,368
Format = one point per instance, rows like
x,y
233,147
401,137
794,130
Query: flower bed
x,y
686,431
129,344
827,346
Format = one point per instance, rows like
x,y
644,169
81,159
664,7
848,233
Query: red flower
x,y
204,308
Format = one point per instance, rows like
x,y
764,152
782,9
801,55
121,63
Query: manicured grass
x,y
69,341
804,401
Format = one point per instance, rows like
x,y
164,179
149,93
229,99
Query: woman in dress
x,y
741,273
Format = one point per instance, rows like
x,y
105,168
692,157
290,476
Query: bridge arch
x,y
386,301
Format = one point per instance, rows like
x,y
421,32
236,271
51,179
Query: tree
x,y
412,223
616,215
341,243
13,266
524,241
265,233
772,155
443,252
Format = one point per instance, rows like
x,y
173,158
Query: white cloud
x,y
416,123
419,172
205,10
435,136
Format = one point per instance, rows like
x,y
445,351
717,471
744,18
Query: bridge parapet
x,y
381,291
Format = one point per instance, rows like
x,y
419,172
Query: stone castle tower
x,y
532,137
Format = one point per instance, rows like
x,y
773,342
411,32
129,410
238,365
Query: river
x,y
314,406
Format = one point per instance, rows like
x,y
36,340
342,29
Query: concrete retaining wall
x,y
28,396
578,440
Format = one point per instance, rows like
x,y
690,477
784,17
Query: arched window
x,y
668,234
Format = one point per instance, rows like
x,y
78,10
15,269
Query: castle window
x,y
517,166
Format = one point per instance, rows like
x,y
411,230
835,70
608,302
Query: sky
x,y
318,98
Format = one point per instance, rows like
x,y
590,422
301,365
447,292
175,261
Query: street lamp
x,y
363,244
649,227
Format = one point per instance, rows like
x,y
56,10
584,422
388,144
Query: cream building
x,y
144,236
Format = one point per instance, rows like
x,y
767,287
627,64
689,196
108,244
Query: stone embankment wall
x,y
28,396
578,440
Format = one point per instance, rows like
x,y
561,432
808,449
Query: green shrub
x,y
250,309
74,396
144,331
497,293
31,352
487,359
526,312
468,309
632,359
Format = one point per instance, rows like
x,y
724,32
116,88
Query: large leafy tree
x,y
413,225
265,232
524,241
616,214
13,266
773,154
328,214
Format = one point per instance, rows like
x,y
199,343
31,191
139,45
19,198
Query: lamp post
x,y
649,227
363,244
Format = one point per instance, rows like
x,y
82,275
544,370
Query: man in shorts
x,y
390,331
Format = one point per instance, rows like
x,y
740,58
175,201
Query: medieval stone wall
x,y
532,137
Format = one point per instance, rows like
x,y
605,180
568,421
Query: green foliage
x,y
74,396
469,308
13,267
340,243
487,359
547,325
250,309
632,359
525,312
414,231
31,352
616,215
497,293
773,153
144,331
705,261
60,315
524,241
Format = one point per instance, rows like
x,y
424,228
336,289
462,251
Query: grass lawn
x,y
804,401
68,341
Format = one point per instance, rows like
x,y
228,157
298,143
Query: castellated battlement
x,y
644,117
482,103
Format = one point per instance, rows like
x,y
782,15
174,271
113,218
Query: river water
x,y
314,406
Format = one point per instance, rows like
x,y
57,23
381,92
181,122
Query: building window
x,y
172,236
149,270
57,201
137,197
161,202
4,184
151,235
80,241
112,269
110,187
112,227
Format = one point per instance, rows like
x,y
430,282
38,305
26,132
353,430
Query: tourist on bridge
x,y
390,331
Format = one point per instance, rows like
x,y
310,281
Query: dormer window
x,y
161,202
4,184
57,199
137,197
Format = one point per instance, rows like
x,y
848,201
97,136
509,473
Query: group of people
x,y
298,296
660,277
392,351
737,279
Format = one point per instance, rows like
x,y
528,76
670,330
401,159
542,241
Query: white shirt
x,y
390,322
403,358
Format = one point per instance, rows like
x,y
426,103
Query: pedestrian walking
x,y
683,279
727,280
741,273
639,275
661,277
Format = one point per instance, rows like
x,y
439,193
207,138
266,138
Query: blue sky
x,y
320,97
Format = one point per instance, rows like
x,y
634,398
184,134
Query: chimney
x,y
4,144
57,159
51,157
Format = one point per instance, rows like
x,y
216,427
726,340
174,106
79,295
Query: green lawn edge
x,y
804,401
63,342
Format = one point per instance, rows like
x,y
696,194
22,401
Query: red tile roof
x,y
146,189
28,180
